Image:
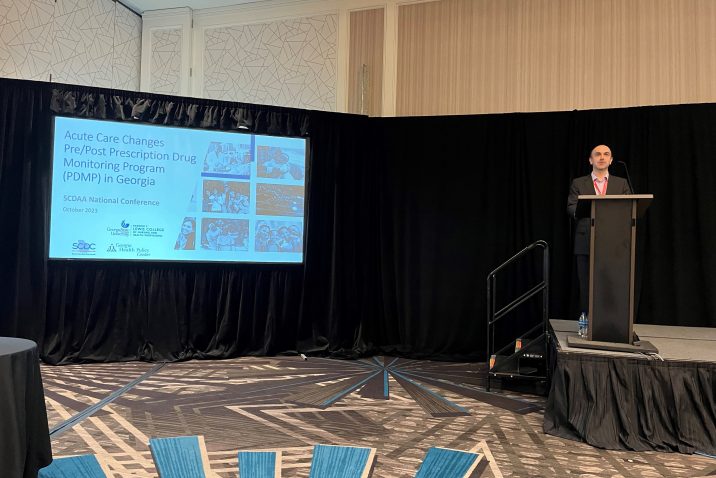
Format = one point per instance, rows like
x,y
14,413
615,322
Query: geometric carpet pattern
x,y
86,42
288,62
400,407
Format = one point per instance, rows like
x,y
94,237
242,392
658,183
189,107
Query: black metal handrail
x,y
494,315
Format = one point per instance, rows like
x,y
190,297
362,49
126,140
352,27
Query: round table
x,y
24,435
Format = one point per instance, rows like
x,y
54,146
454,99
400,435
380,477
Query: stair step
x,y
532,356
515,374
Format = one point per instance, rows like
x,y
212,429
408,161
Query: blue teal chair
x,y
331,461
259,464
180,457
83,466
447,463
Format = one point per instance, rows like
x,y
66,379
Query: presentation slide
x,y
127,191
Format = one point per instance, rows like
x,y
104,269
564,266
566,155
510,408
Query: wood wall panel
x,y
489,56
366,48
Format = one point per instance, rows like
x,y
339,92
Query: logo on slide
x,y
111,248
84,248
125,224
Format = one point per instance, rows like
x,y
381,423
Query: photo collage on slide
x,y
254,186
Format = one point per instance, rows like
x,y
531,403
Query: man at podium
x,y
599,182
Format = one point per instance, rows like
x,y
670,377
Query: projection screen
x,y
130,191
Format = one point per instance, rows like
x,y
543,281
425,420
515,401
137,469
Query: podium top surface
x,y
590,197
585,200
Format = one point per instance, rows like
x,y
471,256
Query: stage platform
x,y
674,343
618,400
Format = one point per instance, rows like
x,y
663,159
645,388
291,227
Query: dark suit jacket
x,y
582,186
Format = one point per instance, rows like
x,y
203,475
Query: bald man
x,y
600,182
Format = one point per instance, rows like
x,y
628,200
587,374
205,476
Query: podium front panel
x,y
611,271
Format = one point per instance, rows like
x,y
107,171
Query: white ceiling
x,y
141,6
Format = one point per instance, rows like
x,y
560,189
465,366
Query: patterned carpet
x,y
400,407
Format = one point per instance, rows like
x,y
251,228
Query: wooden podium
x,y
611,271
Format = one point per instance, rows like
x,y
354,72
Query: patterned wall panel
x,y
166,61
26,38
88,42
83,41
286,63
127,47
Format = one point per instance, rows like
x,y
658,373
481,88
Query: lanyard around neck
x,y
601,192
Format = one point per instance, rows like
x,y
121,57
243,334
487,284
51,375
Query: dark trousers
x,y
583,278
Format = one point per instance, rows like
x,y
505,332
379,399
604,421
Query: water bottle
x,y
583,326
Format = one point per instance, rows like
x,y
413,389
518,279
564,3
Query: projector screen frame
x,y
239,131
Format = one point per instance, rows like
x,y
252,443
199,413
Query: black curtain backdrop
x,y
405,218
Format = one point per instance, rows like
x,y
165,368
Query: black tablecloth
x,y
633,404
24,435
